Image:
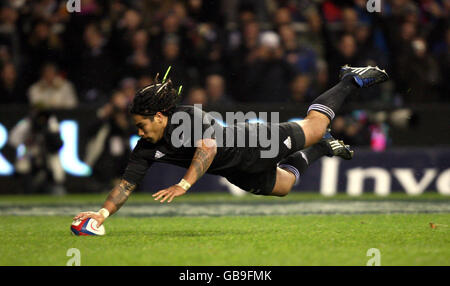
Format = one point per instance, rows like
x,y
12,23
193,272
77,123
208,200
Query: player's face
x,y
150,130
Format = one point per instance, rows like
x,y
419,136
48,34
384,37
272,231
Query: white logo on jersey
x,y
287,142
159,154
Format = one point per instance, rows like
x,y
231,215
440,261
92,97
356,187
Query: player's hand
x,y
169,193
84,215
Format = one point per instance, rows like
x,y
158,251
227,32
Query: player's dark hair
x,y
159,97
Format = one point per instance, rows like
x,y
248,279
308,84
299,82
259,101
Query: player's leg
x,y
323,108
283,184
313,127
294,166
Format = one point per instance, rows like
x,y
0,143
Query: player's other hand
x,y
84,215
169,193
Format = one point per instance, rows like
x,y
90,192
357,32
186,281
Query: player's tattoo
x,y
119,195
202,160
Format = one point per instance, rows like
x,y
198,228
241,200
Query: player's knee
x,y
314,129
285,193
281,192
313,135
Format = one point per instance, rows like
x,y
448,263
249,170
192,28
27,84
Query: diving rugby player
x,y
300,143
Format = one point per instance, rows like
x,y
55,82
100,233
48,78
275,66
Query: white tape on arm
x,y
104,212
184,184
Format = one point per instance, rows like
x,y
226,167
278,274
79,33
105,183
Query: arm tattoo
x,y
202,160
119,195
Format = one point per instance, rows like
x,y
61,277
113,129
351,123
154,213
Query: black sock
x,y
315,152
298,162
331,100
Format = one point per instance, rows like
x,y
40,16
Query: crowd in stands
x,y
222,52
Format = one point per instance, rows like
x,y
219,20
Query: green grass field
x,y
218,229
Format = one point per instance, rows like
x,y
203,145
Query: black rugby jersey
x,y
227,161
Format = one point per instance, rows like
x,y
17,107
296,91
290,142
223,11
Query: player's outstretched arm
x,y
202,159
115,200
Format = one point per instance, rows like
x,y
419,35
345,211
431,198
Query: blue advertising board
x,y
411,170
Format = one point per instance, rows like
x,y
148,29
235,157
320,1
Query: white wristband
x,y
104,212
184,184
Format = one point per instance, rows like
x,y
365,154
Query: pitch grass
x,y
403,239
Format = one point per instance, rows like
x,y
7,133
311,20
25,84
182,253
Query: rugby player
x,y
300,144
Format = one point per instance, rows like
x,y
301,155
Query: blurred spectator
x,y
215,91
42,46
331,11
128,86
266,75
282,17
156,10
250,37
5,55
301,89
197,95
202,11
46,10
369,52
236,36
139,61
144,80
420,75
11,90
302,59
313,37
94,73
353,131
39,168
9,34
321,80
180,10
349,21
171,56
108,146
243,11
52,91
171,29
345,53
209,53
243,44
123,31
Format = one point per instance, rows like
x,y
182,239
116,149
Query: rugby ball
x,y
87,226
